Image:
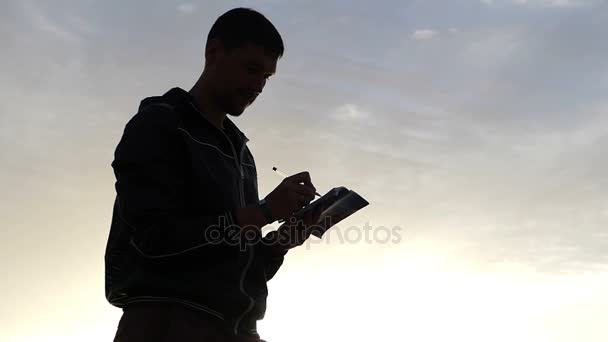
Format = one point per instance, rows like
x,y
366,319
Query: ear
x,y
213,51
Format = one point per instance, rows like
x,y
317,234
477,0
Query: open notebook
x,y
336,205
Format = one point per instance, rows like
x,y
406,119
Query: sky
x,y
475,129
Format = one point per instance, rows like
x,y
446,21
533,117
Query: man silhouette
x,y
185,257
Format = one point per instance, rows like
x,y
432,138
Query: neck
x,y
203,101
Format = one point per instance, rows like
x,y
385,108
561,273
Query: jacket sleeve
x,y
149,169
272,261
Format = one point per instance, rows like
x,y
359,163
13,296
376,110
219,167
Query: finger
x,y
309,198
299,198
302,177
302,189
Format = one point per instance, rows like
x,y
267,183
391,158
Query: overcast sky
x,y
475,127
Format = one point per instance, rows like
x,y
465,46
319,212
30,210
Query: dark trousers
x,y
171,322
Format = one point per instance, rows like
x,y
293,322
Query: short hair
x,y
240,26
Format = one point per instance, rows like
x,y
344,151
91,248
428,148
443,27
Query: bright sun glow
x,y
427,298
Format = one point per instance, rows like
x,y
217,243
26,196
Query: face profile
x,y
239,74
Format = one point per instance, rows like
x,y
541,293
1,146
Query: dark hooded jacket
x,y
179,180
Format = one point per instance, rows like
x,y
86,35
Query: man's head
x,y
242,51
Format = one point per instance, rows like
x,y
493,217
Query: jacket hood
x,y
174,97
179,98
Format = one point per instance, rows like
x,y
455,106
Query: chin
x,y
236,110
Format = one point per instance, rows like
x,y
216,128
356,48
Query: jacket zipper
x,y
237,160
250,250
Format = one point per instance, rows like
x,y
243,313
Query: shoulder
x,y
157,115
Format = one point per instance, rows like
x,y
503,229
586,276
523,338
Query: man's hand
x,y
293,193
296,230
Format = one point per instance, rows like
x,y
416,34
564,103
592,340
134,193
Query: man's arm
x,y
272,252
276,244
268,249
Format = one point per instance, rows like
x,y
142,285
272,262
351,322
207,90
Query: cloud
x,y
44,23
350,112
186,8
81,24
424,34
493,48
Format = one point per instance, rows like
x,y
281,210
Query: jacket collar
x,y
185,98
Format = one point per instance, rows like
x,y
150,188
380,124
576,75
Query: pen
x,y
285,176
